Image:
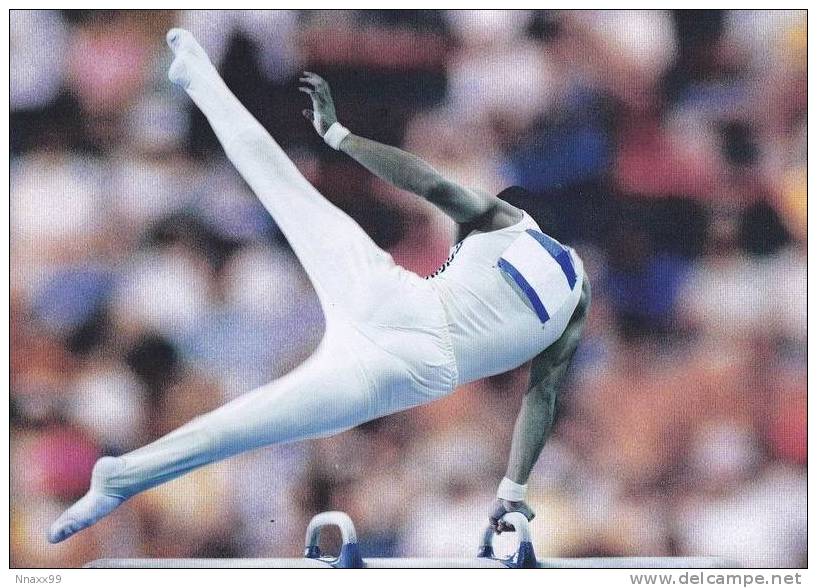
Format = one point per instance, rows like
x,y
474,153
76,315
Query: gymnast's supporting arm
x,y
404,170
535,420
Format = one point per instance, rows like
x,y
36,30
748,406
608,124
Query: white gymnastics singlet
x,y
508,295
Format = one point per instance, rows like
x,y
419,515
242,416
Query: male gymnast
x,y
508,294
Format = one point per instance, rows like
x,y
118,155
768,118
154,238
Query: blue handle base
x,y
524,556
348,558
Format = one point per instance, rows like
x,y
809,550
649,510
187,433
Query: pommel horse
x,y
350,556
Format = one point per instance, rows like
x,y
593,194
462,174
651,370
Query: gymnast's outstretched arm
x,y
402,169
535,420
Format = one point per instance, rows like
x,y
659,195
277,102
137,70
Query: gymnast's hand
x,y
501,507
322,114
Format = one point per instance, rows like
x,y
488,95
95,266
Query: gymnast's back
x,y
508,294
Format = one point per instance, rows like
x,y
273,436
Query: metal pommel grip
x,y
524,557
349,556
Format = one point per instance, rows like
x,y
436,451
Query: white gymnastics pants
x,y
386,346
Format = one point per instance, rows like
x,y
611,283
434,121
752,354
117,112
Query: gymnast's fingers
x,y
317,79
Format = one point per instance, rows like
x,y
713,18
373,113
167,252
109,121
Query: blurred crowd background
x,y
148,285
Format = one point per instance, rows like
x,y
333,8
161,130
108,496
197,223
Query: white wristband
x,y
510,490
335,134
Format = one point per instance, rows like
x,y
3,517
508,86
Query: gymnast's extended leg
x,y
326,394
334,250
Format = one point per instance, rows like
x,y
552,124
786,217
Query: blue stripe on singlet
x,y
557,252
508,268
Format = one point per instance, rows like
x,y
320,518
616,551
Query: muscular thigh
x,y
328,393
358,277
410,358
